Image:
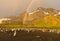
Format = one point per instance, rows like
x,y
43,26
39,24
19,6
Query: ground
x,y
23,35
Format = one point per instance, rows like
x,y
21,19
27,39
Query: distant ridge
x,y
40,17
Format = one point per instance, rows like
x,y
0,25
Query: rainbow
x,y
30,4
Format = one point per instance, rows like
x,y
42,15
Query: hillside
x,y
41,17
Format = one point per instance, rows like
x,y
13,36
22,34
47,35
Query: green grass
x,y
22,26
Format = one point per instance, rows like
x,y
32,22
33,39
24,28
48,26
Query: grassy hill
x,y
40,18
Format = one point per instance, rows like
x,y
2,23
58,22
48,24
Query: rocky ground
x,y
24,35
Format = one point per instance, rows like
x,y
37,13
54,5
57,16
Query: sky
x,y
15,7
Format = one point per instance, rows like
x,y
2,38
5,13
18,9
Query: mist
x,y
15,7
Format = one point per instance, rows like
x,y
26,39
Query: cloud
x,y
35,4
8,7
13,7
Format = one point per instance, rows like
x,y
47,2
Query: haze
x,y
15,7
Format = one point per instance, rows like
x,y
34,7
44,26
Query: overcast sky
x,y
15,7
